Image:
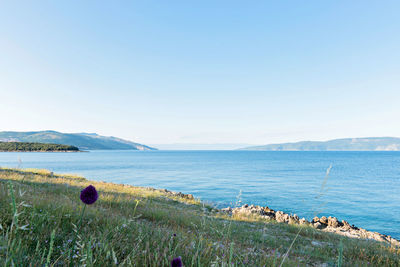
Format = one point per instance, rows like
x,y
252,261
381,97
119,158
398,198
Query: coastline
x,y
329,224
160,222
326,224
265,214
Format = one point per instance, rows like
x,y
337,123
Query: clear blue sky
x,y
252,72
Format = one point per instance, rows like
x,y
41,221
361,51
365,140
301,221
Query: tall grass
x,y
133,226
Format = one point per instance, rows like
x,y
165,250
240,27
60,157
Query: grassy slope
x,y
132,226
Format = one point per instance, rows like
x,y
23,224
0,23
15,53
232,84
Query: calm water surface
x,y
362,188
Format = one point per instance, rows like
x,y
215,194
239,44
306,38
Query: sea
x,y
362,188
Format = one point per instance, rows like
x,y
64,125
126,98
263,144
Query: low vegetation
x,y
35,147
41,224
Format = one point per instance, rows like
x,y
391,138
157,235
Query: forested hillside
x,y
37,147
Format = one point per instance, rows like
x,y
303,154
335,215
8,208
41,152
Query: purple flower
x,y
177,262
89,195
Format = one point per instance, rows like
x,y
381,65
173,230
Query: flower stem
x,y
80,220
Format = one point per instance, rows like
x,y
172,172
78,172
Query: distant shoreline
x,y
89,141
345,144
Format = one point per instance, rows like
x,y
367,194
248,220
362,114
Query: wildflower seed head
x,y
89,195
177,262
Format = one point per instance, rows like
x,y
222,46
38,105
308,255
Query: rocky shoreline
x,y
326,224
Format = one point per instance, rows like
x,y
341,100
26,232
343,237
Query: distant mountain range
x,y
84,141
346,144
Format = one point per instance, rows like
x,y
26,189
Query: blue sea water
x,y
362,187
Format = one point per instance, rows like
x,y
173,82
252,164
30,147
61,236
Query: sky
x,y
202,72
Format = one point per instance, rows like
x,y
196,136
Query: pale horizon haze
x,y
207,72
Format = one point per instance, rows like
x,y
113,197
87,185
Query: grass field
x,y
40,225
